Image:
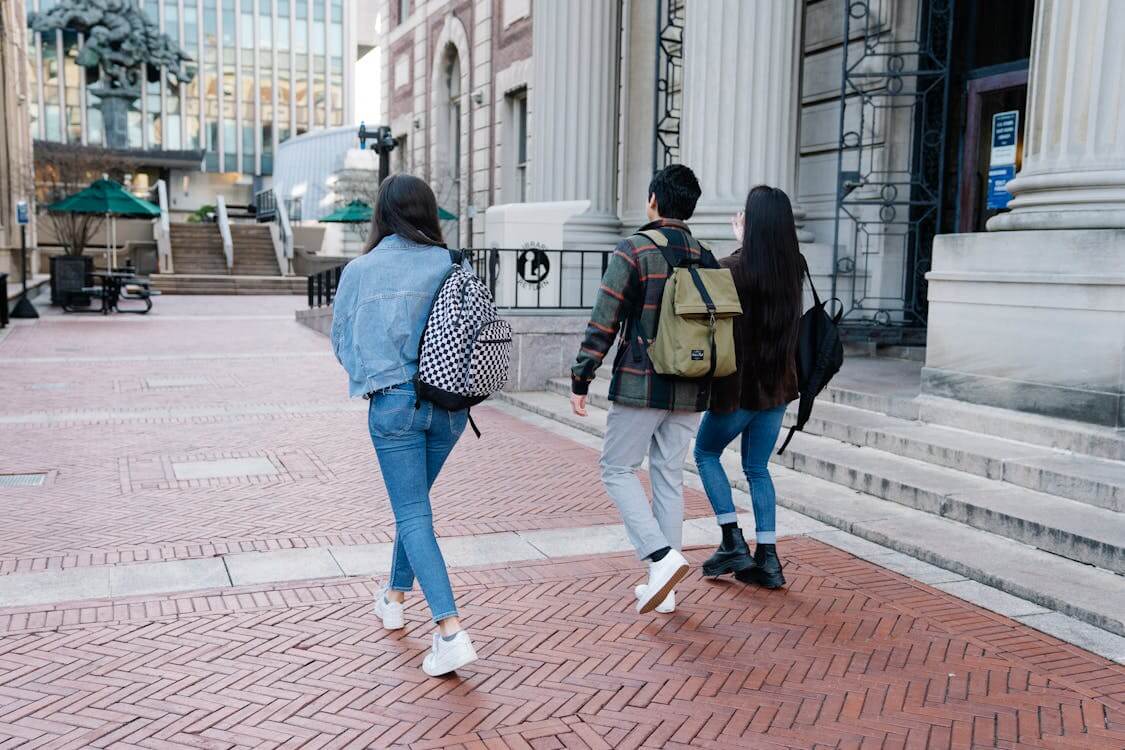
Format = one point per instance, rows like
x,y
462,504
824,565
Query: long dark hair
x,y
405,206
769,279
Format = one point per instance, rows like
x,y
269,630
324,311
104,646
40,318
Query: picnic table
x,y
111,288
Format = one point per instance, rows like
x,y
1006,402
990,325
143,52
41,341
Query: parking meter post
x,y
24,308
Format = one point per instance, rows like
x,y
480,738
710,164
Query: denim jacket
x,y
380,310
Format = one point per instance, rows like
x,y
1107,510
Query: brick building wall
x,y
492,43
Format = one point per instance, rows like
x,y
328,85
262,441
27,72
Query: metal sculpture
x,y
121,44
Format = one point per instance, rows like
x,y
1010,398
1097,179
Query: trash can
x,y
4,307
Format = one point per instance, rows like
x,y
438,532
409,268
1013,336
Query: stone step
x,y
228,284
1094,481
1092,594
892,387
1081,532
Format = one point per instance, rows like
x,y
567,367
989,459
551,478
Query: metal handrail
x,y
285,248
162,230
224,230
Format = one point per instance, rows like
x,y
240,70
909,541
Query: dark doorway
x,y
992,39
991,103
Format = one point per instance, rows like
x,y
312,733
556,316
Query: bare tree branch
x,y
63,169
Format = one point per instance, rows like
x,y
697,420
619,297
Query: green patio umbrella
x,y
444,215
108,198
356,212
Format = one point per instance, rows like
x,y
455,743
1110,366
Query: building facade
x,y
266,70
912,135
16,180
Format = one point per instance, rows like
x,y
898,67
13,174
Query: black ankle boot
x,y
767,568
732,556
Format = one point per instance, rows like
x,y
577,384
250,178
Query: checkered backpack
x,y
466,348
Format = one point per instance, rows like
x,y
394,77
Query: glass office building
x,y
265,70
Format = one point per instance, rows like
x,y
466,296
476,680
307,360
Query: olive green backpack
x,y
695,328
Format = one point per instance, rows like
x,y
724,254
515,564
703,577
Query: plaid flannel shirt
x,y
634,281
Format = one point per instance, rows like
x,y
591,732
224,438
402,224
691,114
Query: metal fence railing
x,y
530,278
322,286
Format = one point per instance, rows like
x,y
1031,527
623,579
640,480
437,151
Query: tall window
x,y
453,84
403,10
446,175
517,153
402,162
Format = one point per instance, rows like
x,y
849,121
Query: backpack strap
x,y
456,257
637,327
792,432
805,268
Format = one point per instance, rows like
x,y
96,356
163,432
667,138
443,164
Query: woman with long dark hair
x,y
751,403
379,313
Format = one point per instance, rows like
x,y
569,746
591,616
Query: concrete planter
x,y
545,344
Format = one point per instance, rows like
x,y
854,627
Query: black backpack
x,y
820,353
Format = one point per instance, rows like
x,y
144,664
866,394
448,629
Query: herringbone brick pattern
x,y
108,431
112,502
850,655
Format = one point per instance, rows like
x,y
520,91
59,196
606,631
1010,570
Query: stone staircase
x,y
200,266
253,250
197,249
1033,506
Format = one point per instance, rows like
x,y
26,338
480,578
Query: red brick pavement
x,y
111,499
850,656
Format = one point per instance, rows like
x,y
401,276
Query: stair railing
x,y
224,230
162,230
284,248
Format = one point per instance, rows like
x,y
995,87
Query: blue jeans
x,y
759,430
412,445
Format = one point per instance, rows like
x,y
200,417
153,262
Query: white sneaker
x,y
662,578
392,613
449,656
665,607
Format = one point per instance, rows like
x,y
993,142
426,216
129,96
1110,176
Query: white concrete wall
x,y
203,188
1030,320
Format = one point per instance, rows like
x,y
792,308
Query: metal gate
x,y
889,205
669,80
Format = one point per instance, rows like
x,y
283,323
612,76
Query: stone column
x,y
742,66
1073,172
573,103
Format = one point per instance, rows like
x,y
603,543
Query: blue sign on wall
x,y
1002,159
998,177
21,212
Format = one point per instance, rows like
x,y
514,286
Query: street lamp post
x,y
384,144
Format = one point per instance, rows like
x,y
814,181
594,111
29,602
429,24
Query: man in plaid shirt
x,y
650,414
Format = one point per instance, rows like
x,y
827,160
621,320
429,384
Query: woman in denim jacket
x,y
380,310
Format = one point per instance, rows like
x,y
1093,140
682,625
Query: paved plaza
x,y
191,561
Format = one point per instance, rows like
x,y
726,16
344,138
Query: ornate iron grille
x,y
667,104
889,193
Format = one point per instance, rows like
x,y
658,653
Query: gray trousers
x,y
632,432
